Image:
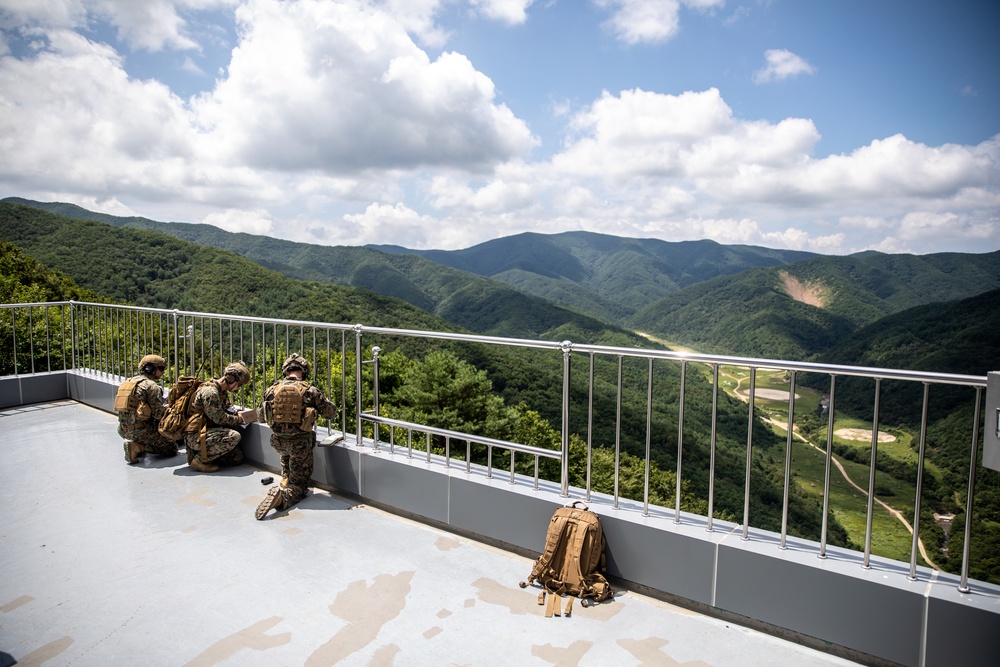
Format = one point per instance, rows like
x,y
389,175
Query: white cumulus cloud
x,y
646,21
339,87
782,64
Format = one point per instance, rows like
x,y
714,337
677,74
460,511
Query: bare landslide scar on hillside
x,y
811,293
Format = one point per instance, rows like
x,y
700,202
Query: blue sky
x,y
832,125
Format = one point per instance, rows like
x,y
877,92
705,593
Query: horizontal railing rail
x,y
109,339
537,453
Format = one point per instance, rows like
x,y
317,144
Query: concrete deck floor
x,y
103,563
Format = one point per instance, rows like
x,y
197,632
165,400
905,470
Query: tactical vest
x,y
125,399
288,406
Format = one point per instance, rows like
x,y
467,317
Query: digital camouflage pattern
x,y
295,446
221,437
143,431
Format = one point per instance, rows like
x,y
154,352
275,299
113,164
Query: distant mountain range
x,y
736,299
608,276
464,299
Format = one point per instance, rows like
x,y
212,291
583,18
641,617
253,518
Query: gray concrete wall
x,y
874,615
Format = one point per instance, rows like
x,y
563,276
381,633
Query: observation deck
x,y
109,564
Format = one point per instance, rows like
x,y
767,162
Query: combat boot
x,y
133,450
273,500
197,464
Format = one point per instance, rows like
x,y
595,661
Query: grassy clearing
x,y
890,537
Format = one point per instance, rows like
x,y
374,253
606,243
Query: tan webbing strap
x,y
553,538
555,604
569,606
548,607
541,598
203,439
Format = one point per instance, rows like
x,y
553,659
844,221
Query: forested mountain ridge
x,y
802,310
960,337
951,337
152,269
464,299
609,276
24,280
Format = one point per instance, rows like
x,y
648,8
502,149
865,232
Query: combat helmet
x,y
295,360
150,363
237,371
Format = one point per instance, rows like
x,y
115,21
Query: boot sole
x,y
271,500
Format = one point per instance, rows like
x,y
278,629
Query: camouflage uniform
x,y
221,439
295,446
143,431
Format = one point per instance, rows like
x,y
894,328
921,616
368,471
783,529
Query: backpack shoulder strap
x,y
553,538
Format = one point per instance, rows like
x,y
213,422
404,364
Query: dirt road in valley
x,y
894,512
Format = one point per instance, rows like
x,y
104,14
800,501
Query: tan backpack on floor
x,y
573,560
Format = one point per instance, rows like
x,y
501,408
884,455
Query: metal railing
x,y
108,340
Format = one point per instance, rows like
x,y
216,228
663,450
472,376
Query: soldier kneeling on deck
x,y
211,436
139,404
290,407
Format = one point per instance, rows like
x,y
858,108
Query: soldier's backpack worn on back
x,y
573,560
175,419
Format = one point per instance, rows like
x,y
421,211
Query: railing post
x,y
190,335
712,443
176,341
829,464
872,469
920,483
963,585
357,383
788,460
72,334
590,425
649,439
567,349
31,340
374,362
680,436
618,430
746,490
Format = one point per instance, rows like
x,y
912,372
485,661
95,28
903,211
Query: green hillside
x,y
802,310
24,280
952,337
608,276
464,299
151,269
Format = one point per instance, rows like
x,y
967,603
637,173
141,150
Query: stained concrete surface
x,y
103,563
